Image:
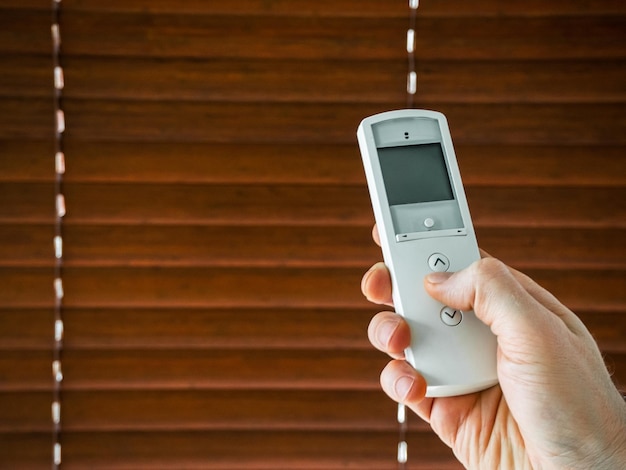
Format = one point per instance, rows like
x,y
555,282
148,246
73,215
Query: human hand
x,y
555,406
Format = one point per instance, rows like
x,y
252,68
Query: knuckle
x,y
489,268
490,276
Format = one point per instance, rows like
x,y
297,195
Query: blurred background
x,y
218,222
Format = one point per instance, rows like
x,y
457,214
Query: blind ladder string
x,y
59,202
411,81
411,90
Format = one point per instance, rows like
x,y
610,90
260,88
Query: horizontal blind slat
x,y
238,369
250,287
506,81
315,37
228,450
324,164
210,36
305,123
359,8
197,328
279,205
152,410
205,246
117,329
217,122
234,369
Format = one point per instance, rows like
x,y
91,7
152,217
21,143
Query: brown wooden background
x,y
218,222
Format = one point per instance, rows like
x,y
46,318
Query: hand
x,y
555,406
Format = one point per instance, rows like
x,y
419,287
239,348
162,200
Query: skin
x,y
555,407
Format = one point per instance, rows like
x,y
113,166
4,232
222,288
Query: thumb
x,y
489,288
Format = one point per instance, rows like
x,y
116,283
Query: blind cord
x,y
411,90
411,82
59,201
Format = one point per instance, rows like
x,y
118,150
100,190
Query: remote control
x,y
424,225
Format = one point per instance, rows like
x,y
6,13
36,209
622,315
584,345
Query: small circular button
x,y
450,316
438,262
429,222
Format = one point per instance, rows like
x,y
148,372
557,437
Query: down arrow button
x,y
450,316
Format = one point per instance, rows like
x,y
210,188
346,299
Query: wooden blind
x,y
218,221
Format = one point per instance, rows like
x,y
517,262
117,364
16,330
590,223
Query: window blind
x,y
218,222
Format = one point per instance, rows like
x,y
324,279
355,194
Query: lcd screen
x,y
415,174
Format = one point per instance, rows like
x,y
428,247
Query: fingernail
x,y
438,278
403,386
385,331
365,279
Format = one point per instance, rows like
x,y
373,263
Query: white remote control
x,y
424,225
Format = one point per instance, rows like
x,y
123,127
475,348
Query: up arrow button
x,y
438,262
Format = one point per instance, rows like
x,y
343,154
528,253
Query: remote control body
x,y
424,225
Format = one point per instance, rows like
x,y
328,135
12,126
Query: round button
x,y
438,262
429,222
450,316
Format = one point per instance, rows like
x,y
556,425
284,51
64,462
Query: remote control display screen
x,y
415,174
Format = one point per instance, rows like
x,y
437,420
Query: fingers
x,y
403,384
389,333
376,285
